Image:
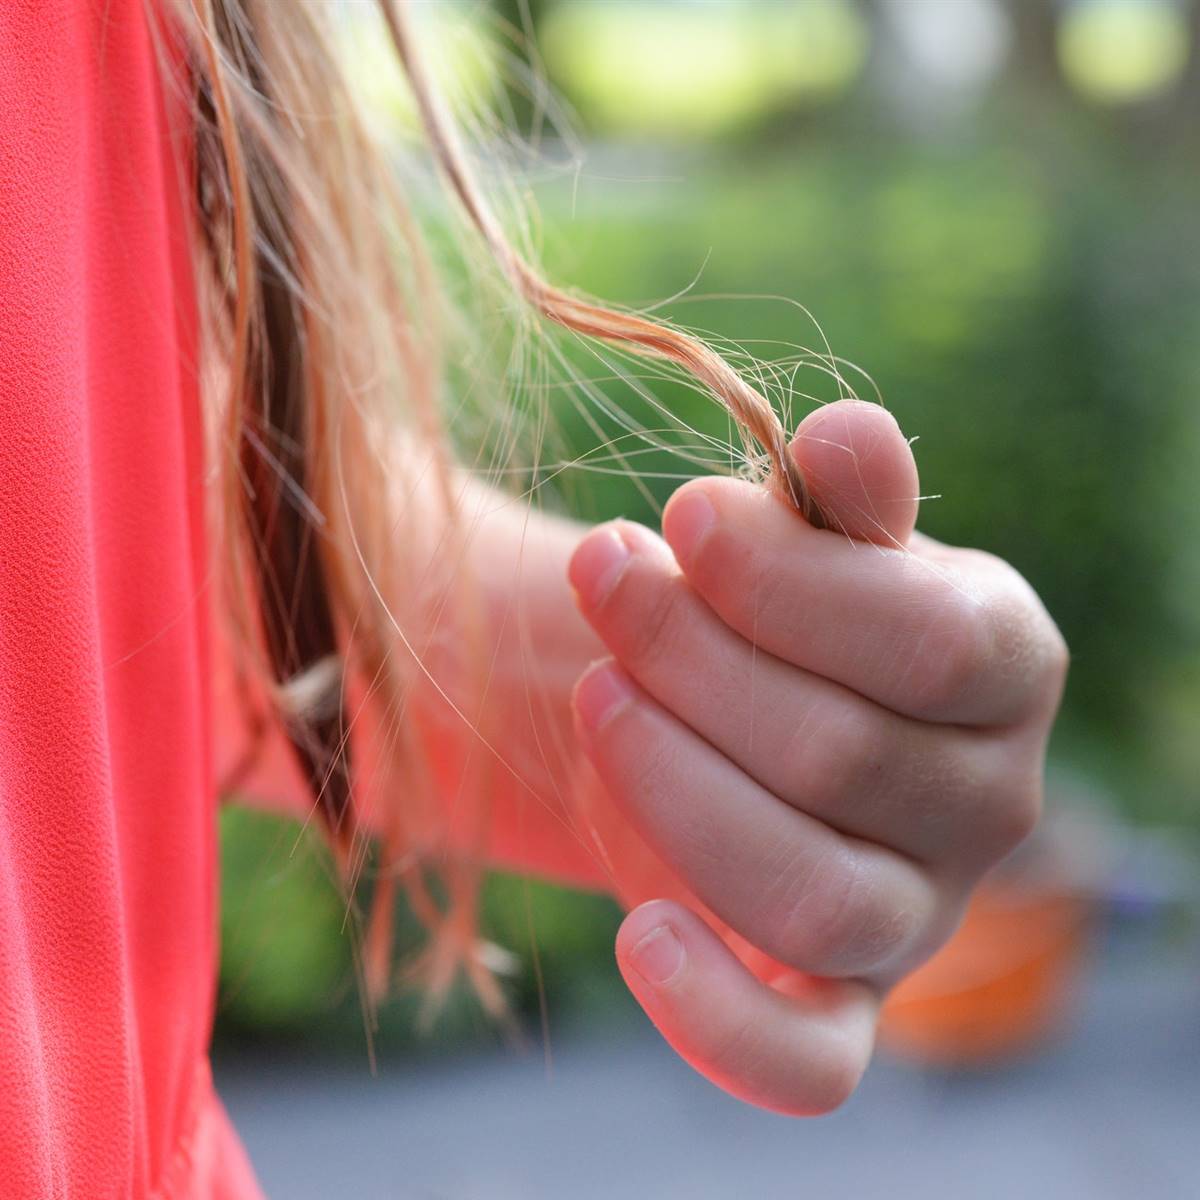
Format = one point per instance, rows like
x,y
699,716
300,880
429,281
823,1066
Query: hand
x,y
827,737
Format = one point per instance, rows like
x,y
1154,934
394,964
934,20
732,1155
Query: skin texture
x,y
826,737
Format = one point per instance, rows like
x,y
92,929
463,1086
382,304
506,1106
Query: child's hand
x,y
827,741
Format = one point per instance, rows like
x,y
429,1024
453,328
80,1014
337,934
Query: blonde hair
x,y
320,315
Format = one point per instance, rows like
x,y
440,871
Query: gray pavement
x,y
1111,1110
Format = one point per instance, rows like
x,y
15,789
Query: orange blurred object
x,y
999,986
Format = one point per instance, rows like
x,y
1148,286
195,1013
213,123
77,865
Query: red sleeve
x,y
107,862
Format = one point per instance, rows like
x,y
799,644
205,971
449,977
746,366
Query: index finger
x,y
957,638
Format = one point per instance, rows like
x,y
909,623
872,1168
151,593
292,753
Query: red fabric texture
x,y
107,859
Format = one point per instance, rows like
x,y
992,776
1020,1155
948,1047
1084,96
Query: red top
x,y
106,785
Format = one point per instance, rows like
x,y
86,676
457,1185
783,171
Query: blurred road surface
x,y
1112,1110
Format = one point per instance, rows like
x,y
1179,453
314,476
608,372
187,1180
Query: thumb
x,y
860,471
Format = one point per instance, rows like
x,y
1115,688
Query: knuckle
x,y
804,755
828,917
991,625
835,751
799,900
882,935
1037,648
953,651
940,782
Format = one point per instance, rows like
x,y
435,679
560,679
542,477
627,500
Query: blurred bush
x,y
287,953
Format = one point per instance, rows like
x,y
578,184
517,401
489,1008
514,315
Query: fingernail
x,y
597,565
658,957
686,521
600,694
